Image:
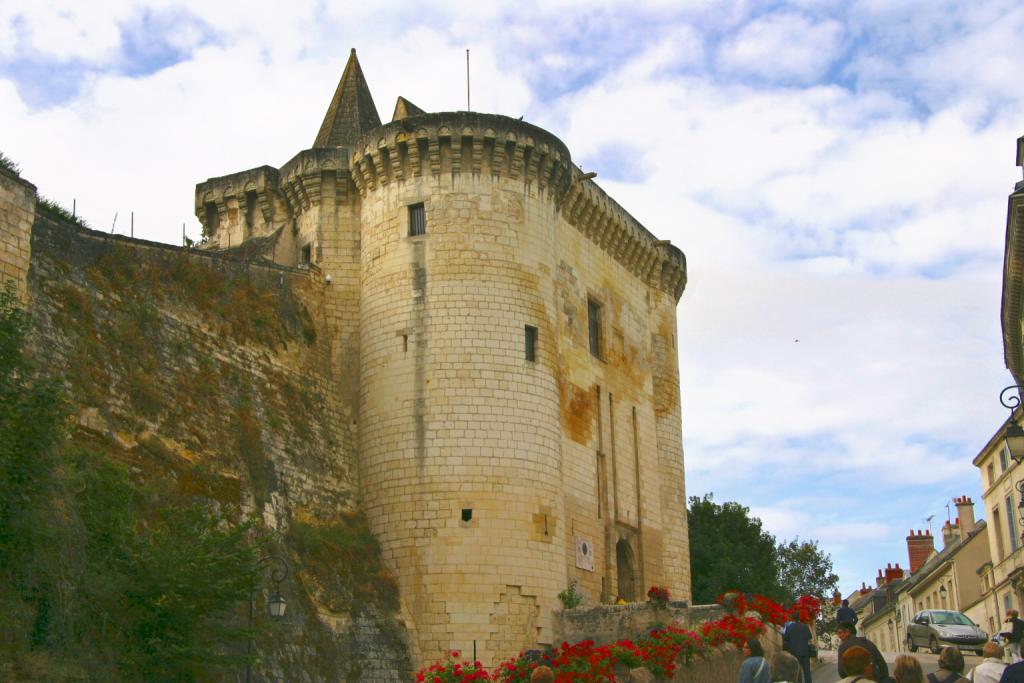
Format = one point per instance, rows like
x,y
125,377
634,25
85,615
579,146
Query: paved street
x,y
825,672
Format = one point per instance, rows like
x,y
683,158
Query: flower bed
x,y
661,651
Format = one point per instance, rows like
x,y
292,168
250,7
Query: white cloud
x,y
64,30
783,47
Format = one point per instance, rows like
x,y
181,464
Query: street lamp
x,y
942,591
1014,434
1014,437
276,604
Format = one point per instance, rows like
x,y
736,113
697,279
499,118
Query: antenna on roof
x,y
928,520
467,79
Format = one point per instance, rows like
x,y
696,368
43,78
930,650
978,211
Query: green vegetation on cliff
x,y
204,379
102,579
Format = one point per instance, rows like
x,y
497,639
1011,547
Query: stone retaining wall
x,y
611,623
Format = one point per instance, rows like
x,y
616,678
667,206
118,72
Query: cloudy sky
x,y
836,173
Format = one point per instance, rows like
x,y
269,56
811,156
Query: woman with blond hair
x,y
907,670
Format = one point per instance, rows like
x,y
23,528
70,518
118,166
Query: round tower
x,y
460,436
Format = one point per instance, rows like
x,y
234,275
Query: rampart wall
x,y
211,376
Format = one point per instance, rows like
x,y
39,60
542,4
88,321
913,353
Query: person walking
x,y
846,632
846,615
1014,673
951,667
755,668
786,669
796,640
1015,635
858,662
991,668
907,669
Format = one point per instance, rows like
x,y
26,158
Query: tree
x,y
804,569
729,550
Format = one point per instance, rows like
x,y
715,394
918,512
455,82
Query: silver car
x,y
934,628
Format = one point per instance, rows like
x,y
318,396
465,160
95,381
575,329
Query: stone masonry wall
x,y
459,430
210,376
621,450
611,623
494,480
17,211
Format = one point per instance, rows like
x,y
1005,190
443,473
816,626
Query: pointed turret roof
x,y
352,111
404,109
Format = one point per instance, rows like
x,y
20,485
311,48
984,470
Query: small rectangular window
x,y
531,343
307,254
594,326
417,220
1003,462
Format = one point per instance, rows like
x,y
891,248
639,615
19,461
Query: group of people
x,y
791,665
860,660
858,664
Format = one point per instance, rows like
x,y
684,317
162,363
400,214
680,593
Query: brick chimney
x,y
880,579
965,509
893,573
920,546
864,590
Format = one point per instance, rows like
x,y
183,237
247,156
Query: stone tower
x,y
504,336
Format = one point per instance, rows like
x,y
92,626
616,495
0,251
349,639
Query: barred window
x,y
417,220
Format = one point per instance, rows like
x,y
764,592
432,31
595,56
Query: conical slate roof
x,y
404,109
352,111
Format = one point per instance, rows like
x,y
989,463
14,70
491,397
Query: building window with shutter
x,y
417,220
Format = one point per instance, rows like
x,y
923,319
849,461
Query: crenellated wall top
x,y
217,190
461,142
491,144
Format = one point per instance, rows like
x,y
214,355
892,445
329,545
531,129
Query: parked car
x,y
934,628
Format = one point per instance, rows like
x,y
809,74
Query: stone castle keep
x,y
499,343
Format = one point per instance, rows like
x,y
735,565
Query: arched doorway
x,y
624,566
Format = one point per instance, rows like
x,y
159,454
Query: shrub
x,y
571,597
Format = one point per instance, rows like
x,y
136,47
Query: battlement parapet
x,y
302,176
607,224
491,144
461,142
259,201
223,203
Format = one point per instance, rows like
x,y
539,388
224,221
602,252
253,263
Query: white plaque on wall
x,y
584,554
